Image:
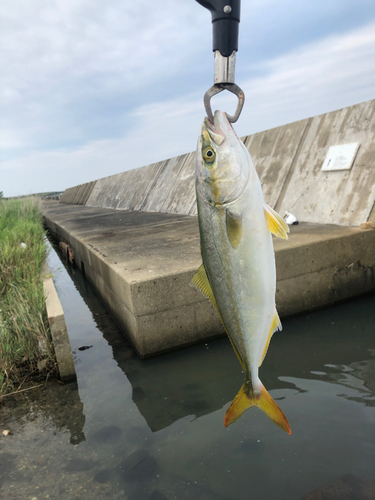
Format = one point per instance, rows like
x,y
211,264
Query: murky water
x,y
153,430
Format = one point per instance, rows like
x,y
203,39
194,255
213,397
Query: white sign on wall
x,y
340,157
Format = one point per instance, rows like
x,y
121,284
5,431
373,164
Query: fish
x,y
238,272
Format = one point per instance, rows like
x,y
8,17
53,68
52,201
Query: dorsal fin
x,y
276,224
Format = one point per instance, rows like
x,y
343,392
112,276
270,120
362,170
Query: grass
x,y
25,342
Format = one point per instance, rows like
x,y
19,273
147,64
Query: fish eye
x,y
209,154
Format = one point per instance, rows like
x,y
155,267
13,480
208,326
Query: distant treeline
x,y
38,195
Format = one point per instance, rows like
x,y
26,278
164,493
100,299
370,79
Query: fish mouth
x,y
215,130
220,123
208,124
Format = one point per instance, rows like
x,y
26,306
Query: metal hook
x,y
216,89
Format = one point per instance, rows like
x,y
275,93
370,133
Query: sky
x,y
92,88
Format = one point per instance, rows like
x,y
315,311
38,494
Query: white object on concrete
x,y
340,157
290,218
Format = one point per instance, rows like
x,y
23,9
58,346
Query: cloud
x,y
335,72
328,74
74,69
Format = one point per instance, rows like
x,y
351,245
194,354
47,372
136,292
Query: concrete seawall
x,y
78,195
288,160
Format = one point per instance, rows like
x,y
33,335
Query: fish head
x,y
223,162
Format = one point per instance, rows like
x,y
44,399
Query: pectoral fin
x,y
201,282
276,224
276,325
234,228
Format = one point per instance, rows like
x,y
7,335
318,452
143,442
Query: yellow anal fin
x,y
234,228
245,400
234,347
201,282
276,224
276,325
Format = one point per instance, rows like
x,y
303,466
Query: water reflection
x,y
188,383
153,428
358,375
168,387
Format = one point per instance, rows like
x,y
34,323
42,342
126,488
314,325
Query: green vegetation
x,y
25,344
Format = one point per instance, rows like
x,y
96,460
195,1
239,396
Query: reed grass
x,y
25,341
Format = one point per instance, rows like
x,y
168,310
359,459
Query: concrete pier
x,y
141,264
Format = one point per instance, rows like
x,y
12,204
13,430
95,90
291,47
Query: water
x,y
153,429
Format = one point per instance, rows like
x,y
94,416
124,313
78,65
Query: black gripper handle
x,y
225,24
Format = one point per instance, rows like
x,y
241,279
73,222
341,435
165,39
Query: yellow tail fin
x,y
245,400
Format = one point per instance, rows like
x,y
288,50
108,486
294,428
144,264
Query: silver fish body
x,y
238,256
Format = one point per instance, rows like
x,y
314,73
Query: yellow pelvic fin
x,y
276,325
201,282
245,399
234,228
276,224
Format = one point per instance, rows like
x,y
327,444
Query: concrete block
x,y
322,247
162,331
166,292
59,331
141,264
330,265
